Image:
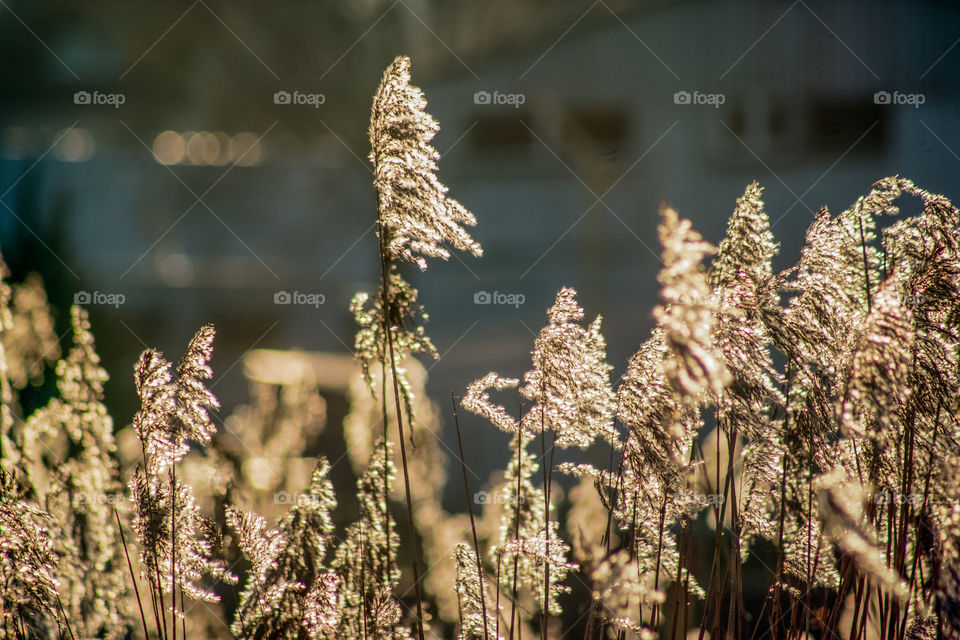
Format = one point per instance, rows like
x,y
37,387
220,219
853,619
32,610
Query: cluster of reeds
x,y
806,418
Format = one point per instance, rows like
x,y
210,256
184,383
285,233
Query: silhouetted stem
x,y
136,590
473,523
388,330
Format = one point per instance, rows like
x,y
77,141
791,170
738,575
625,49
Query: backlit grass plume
x,y
749,246
688,314
176,540
28,345
652,487
76,435
568,386
366,561
528,545
477,619
290,592
437,528
746,291
31,341
841,501
569,390
28,566
623,592
415,220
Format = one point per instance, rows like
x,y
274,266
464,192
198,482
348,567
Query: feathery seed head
x,y
416,217
688,315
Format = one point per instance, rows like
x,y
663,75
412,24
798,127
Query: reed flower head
x,y
417,218
687,317
568,385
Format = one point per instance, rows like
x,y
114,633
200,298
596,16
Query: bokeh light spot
x,y
169,148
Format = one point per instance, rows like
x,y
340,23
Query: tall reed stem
x,y
388,330
473,523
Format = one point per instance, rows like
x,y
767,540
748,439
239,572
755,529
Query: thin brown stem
x,y
386,461
676,610
866,265
388,329
473,523
547,480
516,535
173,548
159,589
364,619
63,615
183,620
497,605
133,580
654,614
